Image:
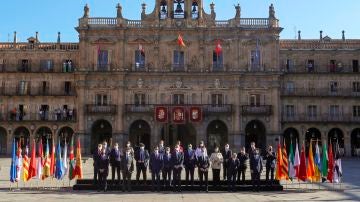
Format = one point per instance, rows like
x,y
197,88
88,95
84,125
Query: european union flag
x,y
13,170
59,163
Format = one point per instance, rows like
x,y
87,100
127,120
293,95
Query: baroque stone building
x,y
246,83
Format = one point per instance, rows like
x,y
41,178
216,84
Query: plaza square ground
x,y
348,191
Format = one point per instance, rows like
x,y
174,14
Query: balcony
x,y
101,109
225,108
45,117
102,67
178,67
318,69
17,91
139,108
324,118
265,110
319,92
35,69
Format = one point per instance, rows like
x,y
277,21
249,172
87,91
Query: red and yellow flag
x,y
32,166
279,163
181,41
78,166
285,164
52,159
310,170
47,162
26,162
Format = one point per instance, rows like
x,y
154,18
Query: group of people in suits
x,y
168,165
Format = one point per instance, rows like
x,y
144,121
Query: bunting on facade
x,y
178,115
195,114
161,114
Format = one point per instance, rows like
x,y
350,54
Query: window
x,y
139,59
24,66
310,65
195,11
312,111
2,65
23,88
44,88
355,65
179,12
47,65
68,66
289,65
290,87
356,111
255,60
139,99
255,100
217,61
178,99
163,10
101,100
67,87
178,64
332,66
102,60
44,112
356,87
334,110
290,110
333,86
217,99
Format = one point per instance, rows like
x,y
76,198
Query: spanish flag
x,y
310,170
78,166
181,41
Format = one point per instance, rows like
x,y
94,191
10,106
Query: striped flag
x,y
78,166
26,162
52,159
46,169
71,160
285,164
317,176
40,162
324,162
310,169
292,172
297,160
279,161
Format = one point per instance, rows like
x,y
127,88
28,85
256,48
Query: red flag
x,y
41,152
279,164
330,175
32,166
52,159
78,167
302,169
181,41
285,164
218,48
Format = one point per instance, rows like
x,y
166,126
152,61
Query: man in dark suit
x,y
96,156
155,166
167,168
203,165
103,169
161,147
251,154
142,160
115,158
256,166
270,165
177,162
127,167
227,156
189,163
232,168
243,158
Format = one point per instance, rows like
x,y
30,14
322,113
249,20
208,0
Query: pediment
x,y
140,41
103,41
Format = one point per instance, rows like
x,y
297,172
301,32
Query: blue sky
x,y
50,16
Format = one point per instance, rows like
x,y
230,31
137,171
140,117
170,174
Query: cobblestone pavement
x,y
347,191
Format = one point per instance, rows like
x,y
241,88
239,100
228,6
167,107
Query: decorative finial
x,y
59,38
86,11
321,36
15,37
299,35
118,11
36,37
343,35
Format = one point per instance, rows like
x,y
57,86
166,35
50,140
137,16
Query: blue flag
x,y
59,163
13,170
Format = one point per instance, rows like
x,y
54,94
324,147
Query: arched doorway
x,y
22,135
290,135
355,142
101,131
255,132
312,134
3,141
335,136
217,134
140,132
185,133
65,135
44,134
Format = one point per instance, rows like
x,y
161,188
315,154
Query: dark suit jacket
x,y
226,155
127,164
270,157
256,164
203,163
177,160
103,163
167,161
189,159
146,157
233,166
96,156
115,157
156,163
243,160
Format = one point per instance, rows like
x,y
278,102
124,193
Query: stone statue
x,y
178,83
86,11
238,11
118,11
217,83
140,83
271,11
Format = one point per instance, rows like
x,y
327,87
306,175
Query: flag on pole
x,y
310,169
59,163
330,174
338,166
302,168
279,162
317,176
218,48
324,162
13,170
292,172
285,163
32,167
65,165
40,162
71,160
19,162
26,165
297,160
47,162
52,159
78,166
181,41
